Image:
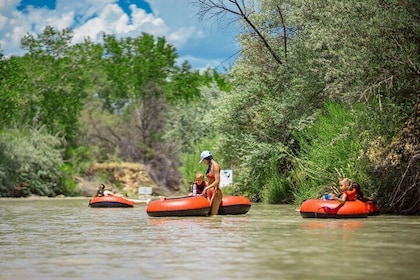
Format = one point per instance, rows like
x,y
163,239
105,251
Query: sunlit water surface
x,y
65,239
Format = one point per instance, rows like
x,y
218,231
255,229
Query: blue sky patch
x,y
50,4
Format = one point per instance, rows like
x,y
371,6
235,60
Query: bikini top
x,y
210,174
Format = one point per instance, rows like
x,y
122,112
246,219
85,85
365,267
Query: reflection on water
x,y
65,239
348,224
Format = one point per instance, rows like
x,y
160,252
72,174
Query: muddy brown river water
x,y
65,239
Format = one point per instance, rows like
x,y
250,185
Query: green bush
x,y
8,167
276,190
330,149
36,161
259,172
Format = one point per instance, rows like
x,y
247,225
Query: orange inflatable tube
x,y
179,206
317,208
110,201
196,206
372,207
234,205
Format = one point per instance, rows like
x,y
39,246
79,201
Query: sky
x,y
201,43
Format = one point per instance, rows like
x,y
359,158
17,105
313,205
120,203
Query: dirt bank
x,y
124,178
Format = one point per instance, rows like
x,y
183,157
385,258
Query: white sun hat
x,y
204,154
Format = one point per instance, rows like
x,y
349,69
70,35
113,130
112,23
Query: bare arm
x,y
342,199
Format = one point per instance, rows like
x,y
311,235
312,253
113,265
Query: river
x,y
65,239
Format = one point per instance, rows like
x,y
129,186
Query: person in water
x,y
199,184
212,190
103,192
347,192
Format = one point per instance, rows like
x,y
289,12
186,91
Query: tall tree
x,y
55,85
12,83
139,80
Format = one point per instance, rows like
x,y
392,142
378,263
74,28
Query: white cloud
x,y
8,6
148,21
181,36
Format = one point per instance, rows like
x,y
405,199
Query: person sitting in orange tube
x,y
103,192
347,192
360,195
199,184
359,192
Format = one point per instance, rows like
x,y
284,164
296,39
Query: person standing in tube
x,y
212,191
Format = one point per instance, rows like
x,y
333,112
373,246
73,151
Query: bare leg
x,y
215,202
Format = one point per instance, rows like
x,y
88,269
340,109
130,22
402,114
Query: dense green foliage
x,y
54,84
345,74
30,163
107,102
334,141
322,89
